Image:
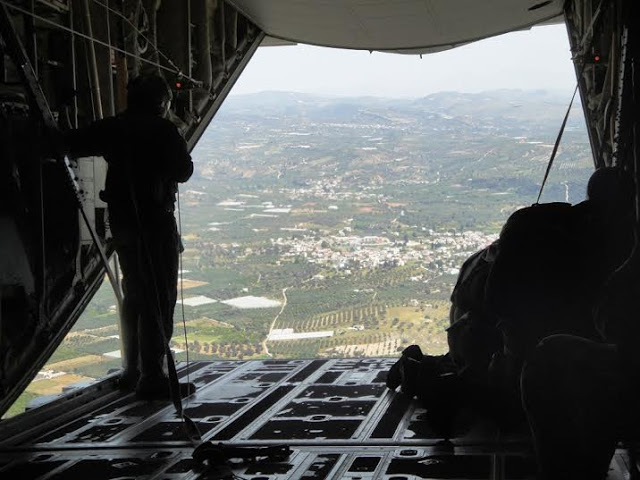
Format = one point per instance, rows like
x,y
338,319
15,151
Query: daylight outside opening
x,y
331,219
336,195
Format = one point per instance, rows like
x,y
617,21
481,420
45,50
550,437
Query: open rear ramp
x,y
337,416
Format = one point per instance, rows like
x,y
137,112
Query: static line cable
x,y
562,127
181,273
190,427
557,144
99,42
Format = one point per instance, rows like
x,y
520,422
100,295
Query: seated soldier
x,y
472,334
445,383
580,394
544,280
553,260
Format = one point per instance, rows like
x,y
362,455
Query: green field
x,y
361,210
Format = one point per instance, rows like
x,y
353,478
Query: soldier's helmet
x,y
149,93
613,188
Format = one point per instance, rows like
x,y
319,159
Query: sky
x,y
535,59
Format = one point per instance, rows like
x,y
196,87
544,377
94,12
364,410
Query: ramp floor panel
x,y
336,414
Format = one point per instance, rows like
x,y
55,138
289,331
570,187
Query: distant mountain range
x,y
540,105
498,140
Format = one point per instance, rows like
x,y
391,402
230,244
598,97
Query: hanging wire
x,y
557,144
190,427
583,52
180,263
99,42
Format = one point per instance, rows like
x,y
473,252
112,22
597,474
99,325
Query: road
x,y
265,349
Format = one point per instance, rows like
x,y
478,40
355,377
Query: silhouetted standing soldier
x,y
146,157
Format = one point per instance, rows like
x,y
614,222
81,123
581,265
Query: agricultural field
x,y
326,227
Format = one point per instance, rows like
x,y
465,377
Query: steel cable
x,y
99,42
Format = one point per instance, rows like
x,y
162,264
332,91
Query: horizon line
x,y
557,91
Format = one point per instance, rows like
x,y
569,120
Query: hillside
x,y
326,226
446,144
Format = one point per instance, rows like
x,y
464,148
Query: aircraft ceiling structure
x,y
400,26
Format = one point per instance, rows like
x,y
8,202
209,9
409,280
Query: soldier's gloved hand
x,y
405,371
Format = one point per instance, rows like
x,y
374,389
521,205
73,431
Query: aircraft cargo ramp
x,y
336,415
